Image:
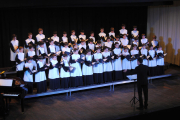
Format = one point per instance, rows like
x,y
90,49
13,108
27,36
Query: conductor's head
x,y
139,61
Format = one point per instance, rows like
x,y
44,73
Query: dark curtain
x,y
20,21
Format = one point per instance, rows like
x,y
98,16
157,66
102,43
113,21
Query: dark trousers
x,y
143,88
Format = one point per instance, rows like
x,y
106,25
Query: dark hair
x,y
64,32
75,49
143,35
72,31
123,25
20,47
111,29
108,38
40,29
140,60
88,50
91,32
29,33
154,37
66,43
116,43
13,36
134,26
65,55
55,32
31,47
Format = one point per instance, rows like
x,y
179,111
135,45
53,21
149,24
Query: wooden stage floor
x,y
100,103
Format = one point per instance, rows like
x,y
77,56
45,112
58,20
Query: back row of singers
x,y
89,68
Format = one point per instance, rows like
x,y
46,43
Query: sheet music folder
x,y
132,77
6,82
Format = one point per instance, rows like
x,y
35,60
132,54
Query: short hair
x,y
125,48
143,35
55,32
51,40
123,25
101,28
91,32
97,48
111,29
140,60
72,31
159,46
64,32
108,38
143,44
29,33
88,50
40,29
117,36
154,37
31,47
75,49
116,43
125,34
14,35
20,47
134,26
66,43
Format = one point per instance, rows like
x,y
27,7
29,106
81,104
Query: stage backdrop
x,y
20,21
164,22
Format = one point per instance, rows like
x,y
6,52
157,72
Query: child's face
x,y
29,61
160,48
42,46
73,33
91,42
134,48
123,27
151,48
40,60
89,53
106,50
41,32
64,35
117,45
102,30
54,58
124,37
76,52
98,51
125,50
75,46
31,49
108,40
82,33
135,28
144,47
21,50
112,31
143,36
52,43
14,38
55,35
82,43
30,36
66,46
92,34
117,39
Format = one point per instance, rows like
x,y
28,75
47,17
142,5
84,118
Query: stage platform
x,y
110,84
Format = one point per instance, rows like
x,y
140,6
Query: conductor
x,y
142,72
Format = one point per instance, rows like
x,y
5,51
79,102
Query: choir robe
x,y
29,54
54,75
144,41
134,62
40,52
126,64
135,43
155,44
100,37
152,63
39,37
87,70
160,63
108,44
122,31
76,76
56,39
92,37
84,46
20,65
113,35
107,66
28,76
13,45
124,42
81,37
98,68
117,65
144,52
52,49
26,46
134,34
72,39
64,74
66,50
40,78
91,47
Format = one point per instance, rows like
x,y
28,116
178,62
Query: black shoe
x,y
139,108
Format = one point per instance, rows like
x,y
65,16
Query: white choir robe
x,y
73,37
84,46
160,63
52,49
100,35
152,63
32,53
98,69
117,65
40,78
27,41
126,65
111,33
76,76
124,42
134,62
108,44
91,37
143,41
154,43
64,75
64,39
14,43
117,42
39,37
107,66
87,71
144,52
91,46
27,76
123,31
41,51
54,76
135,33
82,36
20,56
136,43
66,50
56,38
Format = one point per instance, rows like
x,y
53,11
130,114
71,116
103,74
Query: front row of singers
x,y
83,66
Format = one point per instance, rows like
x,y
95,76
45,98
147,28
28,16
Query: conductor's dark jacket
x,y
142,72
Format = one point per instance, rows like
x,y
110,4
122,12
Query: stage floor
x,y
100,103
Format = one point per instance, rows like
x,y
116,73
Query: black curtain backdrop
x,y
20,21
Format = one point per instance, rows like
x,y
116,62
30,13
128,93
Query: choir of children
x,y
84,61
